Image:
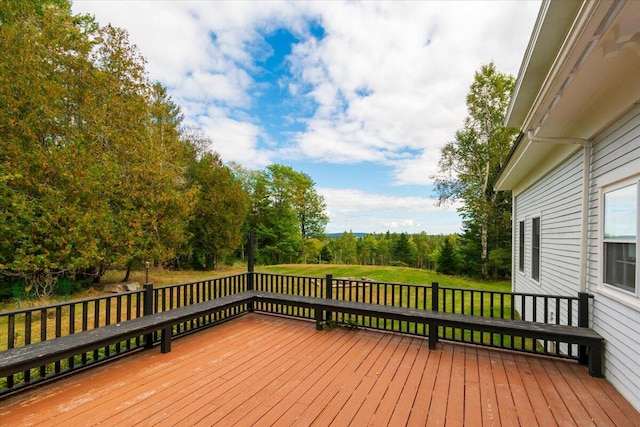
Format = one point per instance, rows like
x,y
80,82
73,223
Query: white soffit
x,y
600,78
594,79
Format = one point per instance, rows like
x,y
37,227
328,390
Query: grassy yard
x,y
163,277
406,296
385,274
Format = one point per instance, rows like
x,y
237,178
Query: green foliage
x,y
386,249
500,261
470,164
447,258
403,250
92,163
219,214
325,254
285,212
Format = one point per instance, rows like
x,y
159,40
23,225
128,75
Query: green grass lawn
x,y
401,296
385,274
385,292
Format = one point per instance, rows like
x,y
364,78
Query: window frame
x,y
635,294
521,246
536,244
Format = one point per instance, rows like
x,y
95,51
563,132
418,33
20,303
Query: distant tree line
x,y
442,253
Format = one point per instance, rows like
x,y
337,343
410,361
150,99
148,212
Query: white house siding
x,y
615,154
557,200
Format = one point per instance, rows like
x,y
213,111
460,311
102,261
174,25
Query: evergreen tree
x,y
447,258
402,251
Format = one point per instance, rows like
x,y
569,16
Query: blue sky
x,y
361,96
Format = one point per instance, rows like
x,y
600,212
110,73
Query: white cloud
x,y
415,62
358,211
386,84
234,140
412,61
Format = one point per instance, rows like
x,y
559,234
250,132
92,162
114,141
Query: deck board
x,y
268,370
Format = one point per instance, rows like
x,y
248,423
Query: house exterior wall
x,y
557,199
616,314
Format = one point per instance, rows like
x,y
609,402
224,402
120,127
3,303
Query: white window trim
x,y
615,182
522,272
538,280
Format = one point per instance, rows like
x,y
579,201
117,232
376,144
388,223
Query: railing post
x,y
329,295
250,268
250,262
583,321
433,327
147,310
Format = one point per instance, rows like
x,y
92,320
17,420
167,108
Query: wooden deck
x,y
265,370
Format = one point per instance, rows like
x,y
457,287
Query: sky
x,y
360,96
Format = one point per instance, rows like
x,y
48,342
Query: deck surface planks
x,y
268,370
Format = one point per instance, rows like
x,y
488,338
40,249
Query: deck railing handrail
x,y
26,326
544,308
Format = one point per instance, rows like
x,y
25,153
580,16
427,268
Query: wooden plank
x,y
526,416
271,360
384,372
568,395
603,402
308,378
407,400
506,406
34,355
368,375
282,389
155,386
456,397
488,398
394,394
472,401
536,330
204,409
543,414
559,410
425,395
324,408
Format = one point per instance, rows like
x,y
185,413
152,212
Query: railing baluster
x,y
58,332
72,329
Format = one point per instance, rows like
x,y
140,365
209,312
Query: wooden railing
x,y
27,326
31,325
561,310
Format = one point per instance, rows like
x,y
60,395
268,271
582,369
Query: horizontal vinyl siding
x,y
557,200
618,322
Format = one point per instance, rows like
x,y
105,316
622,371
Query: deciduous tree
x,y
471,162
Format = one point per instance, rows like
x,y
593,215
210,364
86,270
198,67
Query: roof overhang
x,y
580,73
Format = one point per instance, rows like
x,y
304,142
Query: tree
x,y
344,248
91,161
219,214
47,177
446,258
469,165
285,211
403,250
325,254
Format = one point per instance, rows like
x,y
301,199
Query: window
x,y
535,248
620,237
521,247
